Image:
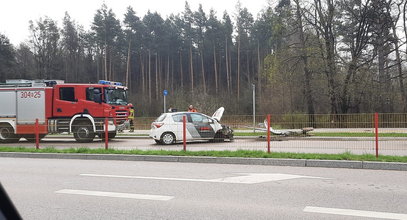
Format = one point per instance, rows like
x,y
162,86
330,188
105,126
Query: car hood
x,y
218,114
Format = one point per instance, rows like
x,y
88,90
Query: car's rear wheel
x,y
167,138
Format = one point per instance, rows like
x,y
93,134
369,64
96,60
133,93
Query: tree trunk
x,y
227,66
191,69
156,76
307,72
106,53
203,73
167,82
230,70
249,79
259,69
220,76
110,66
345,100
215,69
149,76
181,70
128,64
98,66
143,80
238,69
326,22
172,75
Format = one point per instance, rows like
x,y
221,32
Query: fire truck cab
x,y
60,107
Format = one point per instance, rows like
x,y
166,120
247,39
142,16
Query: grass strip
x,y
359,134
238,153
331,134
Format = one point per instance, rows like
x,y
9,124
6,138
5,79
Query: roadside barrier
x,y
373,134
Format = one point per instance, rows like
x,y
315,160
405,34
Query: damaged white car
x,y
168,128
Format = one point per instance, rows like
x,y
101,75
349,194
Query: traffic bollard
x,y
376,126
184,131
37,135
106,134
268,133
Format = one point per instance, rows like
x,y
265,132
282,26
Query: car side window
x,y
197,118
67,94
90,93
178,117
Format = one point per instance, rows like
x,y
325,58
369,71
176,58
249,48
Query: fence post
x,y
376,125
184,131
268,133
106,134
37,135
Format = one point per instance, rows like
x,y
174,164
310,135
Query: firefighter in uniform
x,y
192,109
131,117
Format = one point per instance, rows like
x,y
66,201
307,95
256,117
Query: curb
x,y
371,165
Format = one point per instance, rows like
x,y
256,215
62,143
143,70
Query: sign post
x,y
165,93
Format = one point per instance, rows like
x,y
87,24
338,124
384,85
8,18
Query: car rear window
x,y
161,118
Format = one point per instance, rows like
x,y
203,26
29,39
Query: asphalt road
x,y
82,189
387,146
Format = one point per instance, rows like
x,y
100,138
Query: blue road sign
x,y
165,92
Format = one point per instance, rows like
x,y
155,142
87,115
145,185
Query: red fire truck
x,y
60,107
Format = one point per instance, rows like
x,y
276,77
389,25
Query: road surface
x,y
83,189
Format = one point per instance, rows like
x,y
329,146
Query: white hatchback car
x,y
168,128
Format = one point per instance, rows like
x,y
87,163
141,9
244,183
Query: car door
x,y
177,126
65,101
93,107
202,126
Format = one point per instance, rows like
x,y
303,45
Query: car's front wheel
x,y
167,138
219,137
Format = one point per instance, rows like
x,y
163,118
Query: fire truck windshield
x,y
115,96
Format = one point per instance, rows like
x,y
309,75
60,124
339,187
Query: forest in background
x,y
303,56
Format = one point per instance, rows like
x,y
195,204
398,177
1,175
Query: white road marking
x,y
115,194
250,178
358,213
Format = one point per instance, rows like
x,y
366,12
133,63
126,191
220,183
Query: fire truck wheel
x,y
7,134
83,133
31,137
167,138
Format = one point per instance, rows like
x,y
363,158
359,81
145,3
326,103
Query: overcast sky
x,y
15,14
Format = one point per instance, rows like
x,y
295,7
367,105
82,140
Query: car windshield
x,y
116,96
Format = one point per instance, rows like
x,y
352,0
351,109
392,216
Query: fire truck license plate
x,y
30,94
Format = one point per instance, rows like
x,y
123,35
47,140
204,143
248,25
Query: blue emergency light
x,y
105,82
